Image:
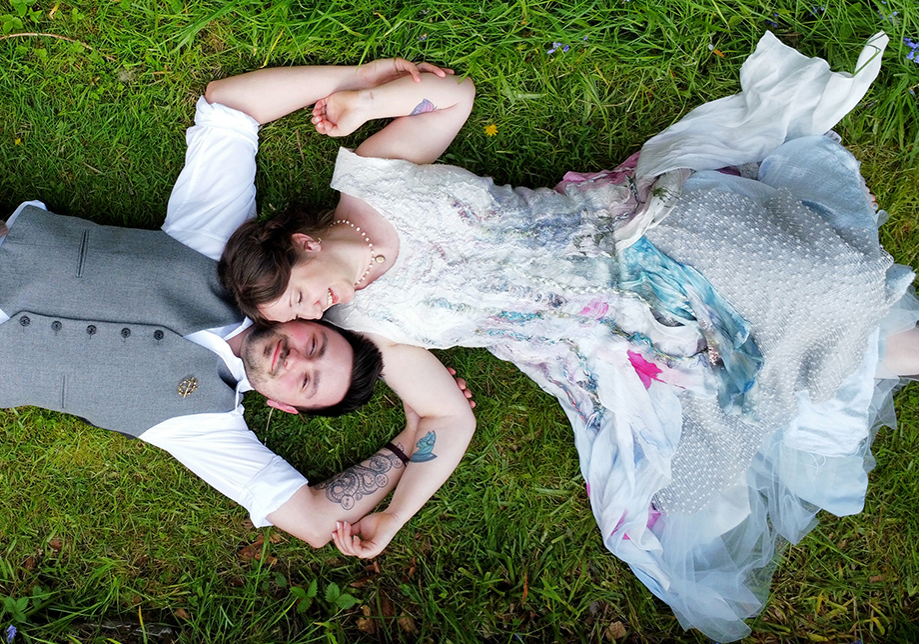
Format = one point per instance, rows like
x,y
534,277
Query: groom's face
x,y
300,363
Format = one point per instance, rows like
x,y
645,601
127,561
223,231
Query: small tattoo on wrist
x,y
425,450
422,107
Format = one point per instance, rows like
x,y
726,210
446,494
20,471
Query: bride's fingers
x,y
434,69
344,540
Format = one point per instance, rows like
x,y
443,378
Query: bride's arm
x,y
428,115
444,430
269,94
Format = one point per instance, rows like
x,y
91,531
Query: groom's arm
x,y
223,452
312,512
445,427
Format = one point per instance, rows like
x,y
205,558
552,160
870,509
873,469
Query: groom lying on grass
x,y
130,330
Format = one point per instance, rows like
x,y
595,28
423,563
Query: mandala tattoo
x,y
356,482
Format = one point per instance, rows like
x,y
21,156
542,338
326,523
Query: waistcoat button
x,y
126,332
25,321
56,325
91,329
158,335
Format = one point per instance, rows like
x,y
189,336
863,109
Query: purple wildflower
x,y
555,46
10,634
913,54
565,49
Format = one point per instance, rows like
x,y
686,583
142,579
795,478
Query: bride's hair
x,y
256,263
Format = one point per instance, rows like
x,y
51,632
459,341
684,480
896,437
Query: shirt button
x,y
56,325
25,321
126,332
91,329
158,335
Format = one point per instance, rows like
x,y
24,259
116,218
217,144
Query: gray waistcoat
x,y
97,315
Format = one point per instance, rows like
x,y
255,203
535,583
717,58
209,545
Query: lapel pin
x,y
187,386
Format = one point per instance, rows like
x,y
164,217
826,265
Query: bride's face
x,y
317,282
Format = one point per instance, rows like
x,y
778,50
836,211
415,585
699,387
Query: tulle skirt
x,y
746,486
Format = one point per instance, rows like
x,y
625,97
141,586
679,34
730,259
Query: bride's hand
x,y
379,72
377,530
339,114
343,112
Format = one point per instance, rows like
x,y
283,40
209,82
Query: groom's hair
x,y
257,260
366,368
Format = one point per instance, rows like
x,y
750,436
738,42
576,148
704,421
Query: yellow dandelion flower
x,y
18,141
491,130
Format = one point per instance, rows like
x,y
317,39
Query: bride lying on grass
x,y
715,316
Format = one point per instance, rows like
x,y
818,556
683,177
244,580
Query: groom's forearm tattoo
x,y
358,481
425,450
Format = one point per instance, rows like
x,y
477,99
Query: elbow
x,y
212,93
311,536
468,88
317,541
468,424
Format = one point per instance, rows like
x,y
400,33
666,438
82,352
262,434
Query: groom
x,y
122,327
130,330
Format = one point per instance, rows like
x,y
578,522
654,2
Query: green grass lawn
x,y
103,539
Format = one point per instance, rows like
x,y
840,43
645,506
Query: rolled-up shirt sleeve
x,y
215,191
223,451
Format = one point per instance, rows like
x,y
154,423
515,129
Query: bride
x,y
716,316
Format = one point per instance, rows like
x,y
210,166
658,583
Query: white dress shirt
x,y
213,195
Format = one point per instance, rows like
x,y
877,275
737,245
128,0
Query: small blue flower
x,y
555,46
565,49
10,634
913,54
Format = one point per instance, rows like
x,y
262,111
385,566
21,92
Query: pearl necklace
x,y
374,259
